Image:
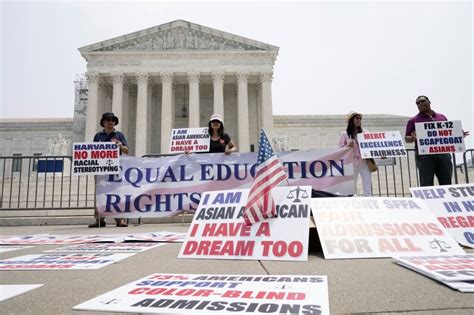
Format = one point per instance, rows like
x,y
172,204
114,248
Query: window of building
x,y
16,163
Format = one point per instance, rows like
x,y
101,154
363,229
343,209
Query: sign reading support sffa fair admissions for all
x,y
453,205
190,140
437,137
95,158
379,227
216,294
218,230
381,144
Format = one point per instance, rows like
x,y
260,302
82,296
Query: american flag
x,y
260,204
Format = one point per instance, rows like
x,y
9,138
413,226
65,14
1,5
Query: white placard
x,y
375,145
453,205
95,158
61,261
218,230
462,286
106,248
379,227
441,267
10,248
190,139
11,290
223,294
436,137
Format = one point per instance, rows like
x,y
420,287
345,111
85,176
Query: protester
x,y
349,139
109,134
220,141
429,164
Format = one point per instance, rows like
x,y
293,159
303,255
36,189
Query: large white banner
x,y
167,186
379,227
218,230
190,139
61,261
95,158
222,294
381,144
453,206
8,291
437,137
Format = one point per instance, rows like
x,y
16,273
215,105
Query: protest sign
x,y
437,137
218,230
208,294
375,145
379,227
189,139
453,205
11,290
171,185
168,237
61,261
441,267
462,286
9,248
95,158
105,248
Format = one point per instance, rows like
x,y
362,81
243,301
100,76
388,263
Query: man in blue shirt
x,y
109,134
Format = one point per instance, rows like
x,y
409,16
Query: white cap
x,y
216,117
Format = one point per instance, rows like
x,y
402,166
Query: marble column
x,y
167,116
266,104
194,113
124,123
218,82
117,95
243,112
92,119
141,131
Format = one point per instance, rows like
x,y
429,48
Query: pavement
x,y
356,286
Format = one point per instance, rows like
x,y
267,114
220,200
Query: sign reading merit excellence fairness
x,y
95,158
218,230
453,206
381,144
379,227
216,294
189,139
437,137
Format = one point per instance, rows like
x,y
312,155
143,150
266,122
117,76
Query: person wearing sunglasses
x,y
110,134
432,164
349,139
220,141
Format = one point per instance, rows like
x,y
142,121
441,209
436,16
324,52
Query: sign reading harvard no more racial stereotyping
x,y
453,205
218,230
379,227
95,158
189,140
222,294
437,137
381,144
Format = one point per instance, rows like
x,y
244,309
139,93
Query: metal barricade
x,y
43,182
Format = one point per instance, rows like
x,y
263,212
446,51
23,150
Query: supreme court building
x,y
176,75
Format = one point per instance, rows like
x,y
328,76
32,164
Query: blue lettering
x,y
206,170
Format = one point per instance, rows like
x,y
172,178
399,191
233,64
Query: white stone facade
x,y
177,75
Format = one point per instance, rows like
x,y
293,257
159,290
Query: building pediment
x,y
178,35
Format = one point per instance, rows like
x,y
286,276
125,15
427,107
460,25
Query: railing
x,y
47,182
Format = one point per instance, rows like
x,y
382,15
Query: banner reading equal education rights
x,y
156,187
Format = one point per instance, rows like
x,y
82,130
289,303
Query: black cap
x,y
109,115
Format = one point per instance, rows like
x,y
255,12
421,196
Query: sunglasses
x,y
215,121
109,119
358,117
420,101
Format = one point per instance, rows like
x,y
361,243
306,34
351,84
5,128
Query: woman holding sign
x,y
349,139
220,141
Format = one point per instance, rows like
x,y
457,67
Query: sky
x,y
375,57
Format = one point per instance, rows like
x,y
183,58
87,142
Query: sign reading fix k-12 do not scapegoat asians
x,y
436,137
218,230
379,227
189,140
95,158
